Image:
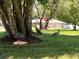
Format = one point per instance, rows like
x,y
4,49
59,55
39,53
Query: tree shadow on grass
x,y
60,47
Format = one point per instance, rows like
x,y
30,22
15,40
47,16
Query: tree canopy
x,y
68,11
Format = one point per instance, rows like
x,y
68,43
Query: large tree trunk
x,y
5,17
6,26
16,18
27,20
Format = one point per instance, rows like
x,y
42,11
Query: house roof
x,y
51,21
55,21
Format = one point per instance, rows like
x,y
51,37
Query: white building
x,y
56,24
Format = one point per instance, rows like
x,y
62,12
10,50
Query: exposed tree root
x,y
25,40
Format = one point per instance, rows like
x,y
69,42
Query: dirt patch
x,y
19,42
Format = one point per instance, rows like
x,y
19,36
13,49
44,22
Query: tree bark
x,y
17,12
6,26
5,17
27,20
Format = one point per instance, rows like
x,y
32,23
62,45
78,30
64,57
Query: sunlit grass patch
x,y
72,33
62,32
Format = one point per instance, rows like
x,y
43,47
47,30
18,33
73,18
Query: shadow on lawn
x,y
61,47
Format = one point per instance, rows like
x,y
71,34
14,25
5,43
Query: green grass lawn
x,y
65,46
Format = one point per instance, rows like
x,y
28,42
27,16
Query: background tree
x,y
40,13
45,9
51,11
68,11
